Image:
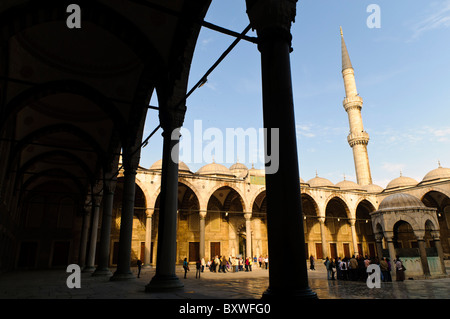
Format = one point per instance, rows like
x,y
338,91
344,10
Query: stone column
x,y
148,238
130,163
272,21
423,252
379,243
165,277
392,255
202,234
90,263
438,245
84,237
248,232
354,238
323,237
105,235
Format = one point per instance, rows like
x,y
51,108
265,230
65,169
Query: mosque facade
x,y
222,211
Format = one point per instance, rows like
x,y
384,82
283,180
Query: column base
x,y
88,269
122,276
102,272
291,294
164,283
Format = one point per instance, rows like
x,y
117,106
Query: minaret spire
x,y
358,138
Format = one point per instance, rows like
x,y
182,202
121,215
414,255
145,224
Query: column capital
x,y
171,119
420,234
352,221
321,220
202,214
270,14
435,234
247,216
149,212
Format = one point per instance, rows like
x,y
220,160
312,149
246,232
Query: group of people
x,y
222,264
355,268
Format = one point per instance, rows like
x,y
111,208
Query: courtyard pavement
x,y
51,284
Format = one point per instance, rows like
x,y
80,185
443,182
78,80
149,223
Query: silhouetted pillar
x,y
272,21
148,238
105,235
165,277
90,267
123,272
84,237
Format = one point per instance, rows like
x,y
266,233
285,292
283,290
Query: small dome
x,y
372,188
436,174
214,169
238,167
302,181
400,200
182,167
319,182
256,172
402,181
348,185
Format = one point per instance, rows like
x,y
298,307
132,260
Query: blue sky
x,y
402,72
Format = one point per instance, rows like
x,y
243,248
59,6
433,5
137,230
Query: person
x,y
224,264
139,265
260,260
384,269
185,267
250,263
266,261
389,277
399,270
327,266
332,268
246,264
198,267
353,268
312,263
338,262
343,267
203,264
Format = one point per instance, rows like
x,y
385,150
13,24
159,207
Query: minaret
x,y
358,138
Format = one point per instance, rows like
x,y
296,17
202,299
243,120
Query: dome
x,y
256,172
214,169
182,167
372,188
302,181
402,181
238,167
348,185
319,182
436,174
399,201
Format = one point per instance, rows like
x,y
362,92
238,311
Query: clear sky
x,y
402,72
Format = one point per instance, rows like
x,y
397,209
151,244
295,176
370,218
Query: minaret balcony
x,y
352,102
358,138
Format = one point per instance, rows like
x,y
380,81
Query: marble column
x,y
84,237
354,237
90,263
272,21
323,237
123,271
438,245
423,254
379,244
165,277
392,255
202,234
248,232
148,238
105,235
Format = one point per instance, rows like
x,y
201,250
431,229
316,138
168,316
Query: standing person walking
x,y
312,263
185,267
198,267
139,265
399,270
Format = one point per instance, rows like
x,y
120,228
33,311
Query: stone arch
x,y
254,198
341,199
225,184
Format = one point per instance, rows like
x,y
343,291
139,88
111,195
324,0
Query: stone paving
x,y
51,284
